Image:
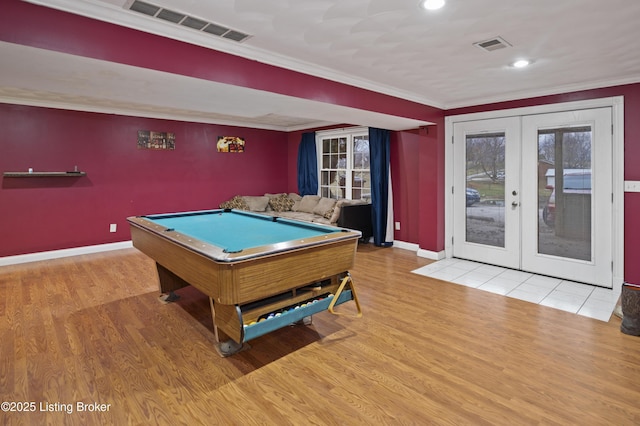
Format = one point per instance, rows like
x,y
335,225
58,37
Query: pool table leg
x,y
225,345
169,282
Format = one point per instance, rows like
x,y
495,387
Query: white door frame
x,y
617,225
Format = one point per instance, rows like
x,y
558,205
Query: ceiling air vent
x,y
171,16
215,29
492,44
235,35
185,20
146,8
196,24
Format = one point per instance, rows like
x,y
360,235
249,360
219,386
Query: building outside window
x,y
344,163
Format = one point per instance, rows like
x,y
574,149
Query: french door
x,y
487,191
534,193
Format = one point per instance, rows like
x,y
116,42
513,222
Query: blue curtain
x,y
307,165
380,157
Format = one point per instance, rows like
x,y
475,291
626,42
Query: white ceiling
x,y
389,46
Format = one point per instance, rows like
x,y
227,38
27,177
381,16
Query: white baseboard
x,y
56,254
77,251
406,246
434,255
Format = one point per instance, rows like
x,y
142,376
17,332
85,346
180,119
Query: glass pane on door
x,y
485,189
564,192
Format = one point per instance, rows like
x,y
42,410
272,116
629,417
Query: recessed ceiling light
x,y
432,4
521,63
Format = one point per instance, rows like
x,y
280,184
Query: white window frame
x,y
348,133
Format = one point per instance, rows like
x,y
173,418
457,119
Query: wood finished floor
x,y
91,329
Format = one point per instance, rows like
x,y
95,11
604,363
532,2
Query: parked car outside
x,y
473,196
574,183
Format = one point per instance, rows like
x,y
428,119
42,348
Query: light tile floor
x,y
582,299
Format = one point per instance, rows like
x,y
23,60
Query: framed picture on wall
x,y
230,144
148,139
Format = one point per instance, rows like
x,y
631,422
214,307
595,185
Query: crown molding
x,y
556,90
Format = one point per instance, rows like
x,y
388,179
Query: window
x,y
344,163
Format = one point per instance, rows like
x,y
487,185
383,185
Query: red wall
x,y
431,178
417,174
405,167
39,214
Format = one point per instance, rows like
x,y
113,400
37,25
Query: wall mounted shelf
x,y
43,174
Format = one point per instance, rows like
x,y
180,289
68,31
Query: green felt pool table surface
x,y
235,235
234,231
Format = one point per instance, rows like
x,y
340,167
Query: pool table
x,y
260,272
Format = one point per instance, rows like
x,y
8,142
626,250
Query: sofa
x,y
352,214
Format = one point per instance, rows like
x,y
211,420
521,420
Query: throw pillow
x,y
281,203
324,206
236,202
329,214
296,201
308,203
272,196
256,203
335,213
